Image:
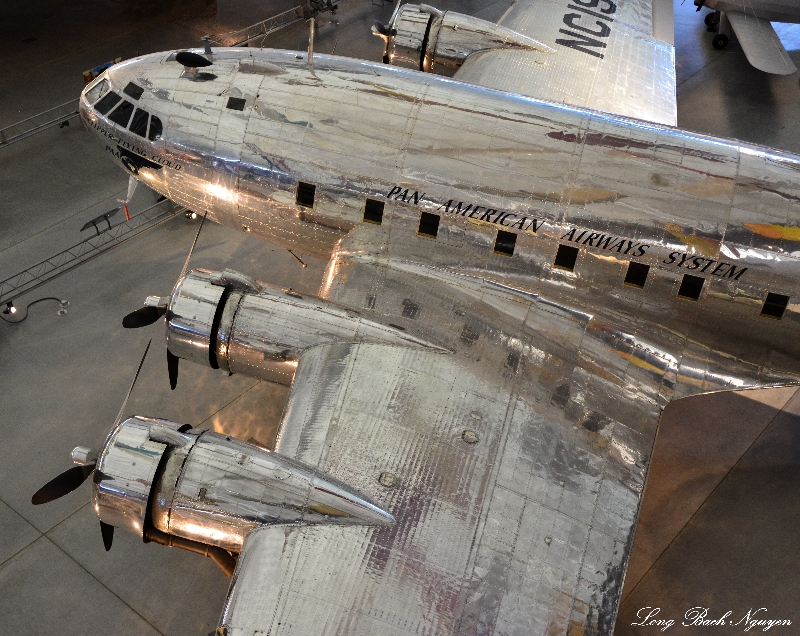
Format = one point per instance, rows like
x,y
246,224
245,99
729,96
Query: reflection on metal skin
x,y
213,489
561,371
426,39
125,473
262,331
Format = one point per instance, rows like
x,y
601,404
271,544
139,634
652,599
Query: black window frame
x,y
566,257
774,306
303,191
155,130
691,287
637,274
133,91
428,224
505,243
107,102
139,112
373,211
114,117
236,103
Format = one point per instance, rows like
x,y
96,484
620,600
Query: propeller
x,y
143,317
62,485
172,369
155,307
107,530
73,477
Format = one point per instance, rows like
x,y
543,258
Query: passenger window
x,y
637,274
107,103
691,286
97,92
566,257
428,224
139,123
122,114
133,91
155,129
305,194
774,306
505,243
236,103
373,211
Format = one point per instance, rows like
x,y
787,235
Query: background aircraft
x,y
751,21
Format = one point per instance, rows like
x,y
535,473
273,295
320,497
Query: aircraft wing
x,y
514,468
617,57
761,45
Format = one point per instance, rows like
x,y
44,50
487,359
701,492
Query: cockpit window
x,y
139,123
155,129
107,103
132,90
98,90
122,114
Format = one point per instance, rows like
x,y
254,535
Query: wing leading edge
x,y
615,57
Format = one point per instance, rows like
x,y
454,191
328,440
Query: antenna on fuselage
x,y
191,62
313,22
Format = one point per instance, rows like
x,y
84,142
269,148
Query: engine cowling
x,y
426,39
228,321
202,491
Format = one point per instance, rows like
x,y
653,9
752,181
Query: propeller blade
x,y
143,317
191,249
172,369
62,485
107,531
135,377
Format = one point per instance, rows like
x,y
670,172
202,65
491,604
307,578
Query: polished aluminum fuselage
x,y
511,394
619,190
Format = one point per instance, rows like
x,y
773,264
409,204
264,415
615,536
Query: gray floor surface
x,y
720,513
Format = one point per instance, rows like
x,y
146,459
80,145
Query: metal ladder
x,y
32,125
80,253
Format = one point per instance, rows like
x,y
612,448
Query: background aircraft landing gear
x,y
712,19
720,41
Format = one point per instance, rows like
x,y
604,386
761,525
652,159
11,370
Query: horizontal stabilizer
x,y
761,44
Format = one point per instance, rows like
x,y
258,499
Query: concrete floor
x,y
719,517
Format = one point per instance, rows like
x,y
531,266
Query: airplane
x,y
527,263
752,23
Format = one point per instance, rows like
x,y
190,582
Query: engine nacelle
x,y
228,321
426,39
164,481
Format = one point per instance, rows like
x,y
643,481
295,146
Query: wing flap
x,y
762,46
606,58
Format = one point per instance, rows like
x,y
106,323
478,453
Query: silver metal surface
x,y
559,367
262,331
81,455
227,487
124,475
213,489
446,40
190,318
608,58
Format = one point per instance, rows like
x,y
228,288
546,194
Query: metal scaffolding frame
x,y
32,125
260,29
86,250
